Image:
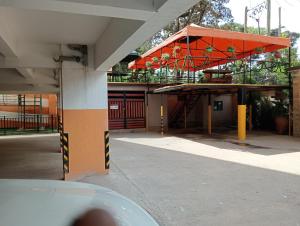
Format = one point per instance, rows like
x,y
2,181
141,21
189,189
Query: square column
x,y
85,118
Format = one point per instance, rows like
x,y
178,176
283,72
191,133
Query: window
x,y
218,105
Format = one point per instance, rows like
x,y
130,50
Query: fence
x,y
28,124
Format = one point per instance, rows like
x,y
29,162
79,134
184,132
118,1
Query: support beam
x,y
23,88
113,48
242,109
128,9
28,62
27,74
15,76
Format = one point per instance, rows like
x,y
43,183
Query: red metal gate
x,y
126,110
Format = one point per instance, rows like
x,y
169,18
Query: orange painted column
x,y
85,120
85,128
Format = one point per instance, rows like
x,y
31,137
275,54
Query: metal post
x,y
161,115
41,109
52,124
61,96
246,20
38,123
279,22
188,50
269,17
209,116
147,109
244,74
124,110
4,125
24,112
250,73
290,95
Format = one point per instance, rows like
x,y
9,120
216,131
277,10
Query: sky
x,y
290,10
289,13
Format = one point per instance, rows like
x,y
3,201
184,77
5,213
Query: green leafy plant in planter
x,y
280,112
231,49
149,64
209,49
155,60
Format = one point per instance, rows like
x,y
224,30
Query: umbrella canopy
x,y
197,48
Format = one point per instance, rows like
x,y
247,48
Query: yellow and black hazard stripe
x,y
106,139
60,126
60,130
65,150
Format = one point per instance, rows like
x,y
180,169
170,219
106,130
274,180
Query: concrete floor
x,y
194,180
187,179
30,157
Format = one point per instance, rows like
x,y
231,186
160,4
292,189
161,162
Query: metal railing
x,y
28,124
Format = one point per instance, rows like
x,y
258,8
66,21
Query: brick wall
x,y
296,96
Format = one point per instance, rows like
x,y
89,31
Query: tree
x,y
208,13
268,68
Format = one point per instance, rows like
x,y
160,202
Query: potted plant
x,y
176,50
280,111
148,64
155,60
165,56
231,49
209,49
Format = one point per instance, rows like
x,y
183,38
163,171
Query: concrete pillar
x,y
242,114
296,103
85,117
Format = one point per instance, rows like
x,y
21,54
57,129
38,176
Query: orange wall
x,y
50,110
52,104
86,141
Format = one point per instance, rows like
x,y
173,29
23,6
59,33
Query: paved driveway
x,y
204,183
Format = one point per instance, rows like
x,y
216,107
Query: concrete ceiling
x,y
32,33
54,27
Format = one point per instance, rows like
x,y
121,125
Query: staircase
x,y
176,119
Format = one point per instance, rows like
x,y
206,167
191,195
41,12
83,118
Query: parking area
x,y
189,179
183,178
30,157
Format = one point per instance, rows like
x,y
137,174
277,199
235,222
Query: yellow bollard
x,y
242,122
162,119
209,117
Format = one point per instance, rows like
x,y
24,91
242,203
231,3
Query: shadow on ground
x,y
183,189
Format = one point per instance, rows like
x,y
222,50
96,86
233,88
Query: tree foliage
x,y
209,13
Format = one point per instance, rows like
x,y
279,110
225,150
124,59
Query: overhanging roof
x,y
210,87
194,41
